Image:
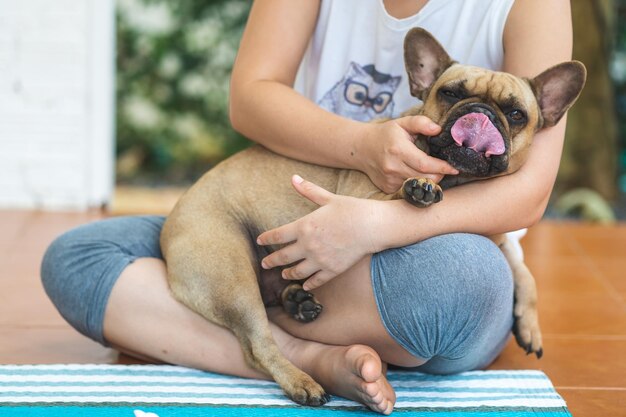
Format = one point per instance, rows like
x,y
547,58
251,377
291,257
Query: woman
x,y
442,305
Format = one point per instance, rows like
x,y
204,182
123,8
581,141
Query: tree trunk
x,y
590,153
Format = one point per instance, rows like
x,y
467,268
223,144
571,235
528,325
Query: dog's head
x,y
488,118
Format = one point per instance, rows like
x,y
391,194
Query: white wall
x,y
56,103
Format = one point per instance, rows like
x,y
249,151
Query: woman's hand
x,y
327,241
389,156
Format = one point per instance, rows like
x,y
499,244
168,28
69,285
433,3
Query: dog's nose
x,y
484,109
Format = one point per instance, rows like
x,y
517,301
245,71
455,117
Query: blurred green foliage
x,y
174,59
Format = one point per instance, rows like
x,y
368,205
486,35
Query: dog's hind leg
x,y
221,285
526,328
263,354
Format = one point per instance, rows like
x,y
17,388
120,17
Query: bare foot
x,y
354,372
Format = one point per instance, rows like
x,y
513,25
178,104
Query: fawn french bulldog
x,y
488,122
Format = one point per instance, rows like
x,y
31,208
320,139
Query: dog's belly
x,y
246,195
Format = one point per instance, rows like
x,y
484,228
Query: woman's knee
x,y
81,266
59,261
444,296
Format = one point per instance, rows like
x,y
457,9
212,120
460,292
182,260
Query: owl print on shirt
x,y
362,94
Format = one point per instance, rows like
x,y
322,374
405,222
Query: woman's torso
x,y
354,64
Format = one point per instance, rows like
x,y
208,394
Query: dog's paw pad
x,y
300,304
422,191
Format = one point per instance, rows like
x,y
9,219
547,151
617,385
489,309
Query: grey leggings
x,y
447,300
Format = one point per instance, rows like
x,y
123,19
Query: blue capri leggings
x,y
447,300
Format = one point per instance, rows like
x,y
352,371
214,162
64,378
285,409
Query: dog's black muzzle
x,y
466,160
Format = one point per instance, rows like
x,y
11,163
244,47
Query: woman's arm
x,y
265,108
263,105
538,35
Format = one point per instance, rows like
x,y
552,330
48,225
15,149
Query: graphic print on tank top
x,y
362,94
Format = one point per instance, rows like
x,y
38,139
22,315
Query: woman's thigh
x,y
444,303
80,267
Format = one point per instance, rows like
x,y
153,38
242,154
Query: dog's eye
x,y
517,116
449,94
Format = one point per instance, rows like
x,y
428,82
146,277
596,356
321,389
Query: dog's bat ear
x,y
425,60
557,89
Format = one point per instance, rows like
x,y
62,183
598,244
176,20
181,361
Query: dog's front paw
x,y
300,304
527,332
421,192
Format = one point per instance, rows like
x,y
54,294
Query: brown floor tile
x,y
581,314
573,361
579,323
11,224
50,345
613,270
585,231
573,299
17,265
544,241
594,403
564,276
596,240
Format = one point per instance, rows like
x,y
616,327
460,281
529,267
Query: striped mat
x,y
170,391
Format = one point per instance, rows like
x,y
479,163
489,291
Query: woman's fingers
x,y
416,159
289,232
280,235
426,164
326,241
285,256
317,280
307,269
302,270
312,191
418,125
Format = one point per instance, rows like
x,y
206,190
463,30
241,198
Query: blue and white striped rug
x,y
170,391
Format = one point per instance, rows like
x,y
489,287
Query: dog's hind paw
x,y
300,304
421,192
528,335
307,393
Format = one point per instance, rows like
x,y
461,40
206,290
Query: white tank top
x,y
354,64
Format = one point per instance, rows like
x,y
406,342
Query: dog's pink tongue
x,y
475,131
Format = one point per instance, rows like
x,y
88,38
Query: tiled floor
x,y
580,270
